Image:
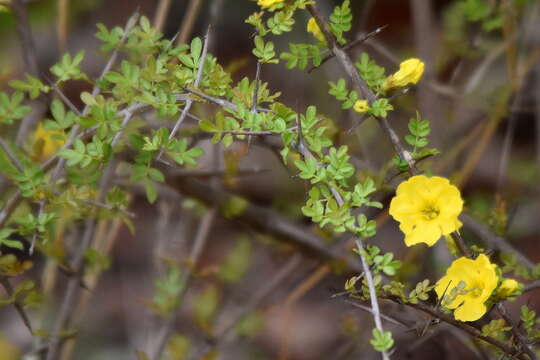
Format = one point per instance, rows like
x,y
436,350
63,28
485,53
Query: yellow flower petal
x,y
470,311
480,279
410,71
268,3
426,209
313,28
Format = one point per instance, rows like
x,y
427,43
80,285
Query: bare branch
x,y
199,243
515,330
10,155
16,303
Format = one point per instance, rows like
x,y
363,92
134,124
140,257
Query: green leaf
x,y
382,341
33,86
196,48
237,262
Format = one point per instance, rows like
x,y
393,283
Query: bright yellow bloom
x,y
268,3
361,106
410,71
315,30
45,143
507,288
426,209
466,286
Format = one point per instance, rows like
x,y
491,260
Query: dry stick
x,y
188,21
70,295
61,26
424,39
10,155
519,337
265,220
161,14
388,318
217,101
105,239
199,243
16,303
484,233
296,294
196,83
4,280
461,325
224,331
24,32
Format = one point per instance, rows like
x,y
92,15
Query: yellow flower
x,y
410,71
507,288
426,209
466,286
268,3
361,106
45,143
313,28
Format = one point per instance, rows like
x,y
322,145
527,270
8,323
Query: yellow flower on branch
x,y
508,288
426,208
268,3
410,71
315,30
361,106
466,287
45,143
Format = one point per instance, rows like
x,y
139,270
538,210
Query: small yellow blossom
x,y
410,71
45,143
426,209
507,288
361,106
268,3
466,287
315,30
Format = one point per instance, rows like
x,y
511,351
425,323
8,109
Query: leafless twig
x,y
199,243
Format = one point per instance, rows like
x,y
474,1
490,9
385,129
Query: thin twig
x,y
493,240
196,83
199,244
62,24
70,296
224,330
189,20
161,14
218,101
350,46
390,319
24,31
266,220
461,325
11,155
16,303
519,337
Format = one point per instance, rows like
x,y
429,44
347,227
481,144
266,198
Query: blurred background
x,y
480,92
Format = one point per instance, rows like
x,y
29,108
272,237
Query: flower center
x,y
430,212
